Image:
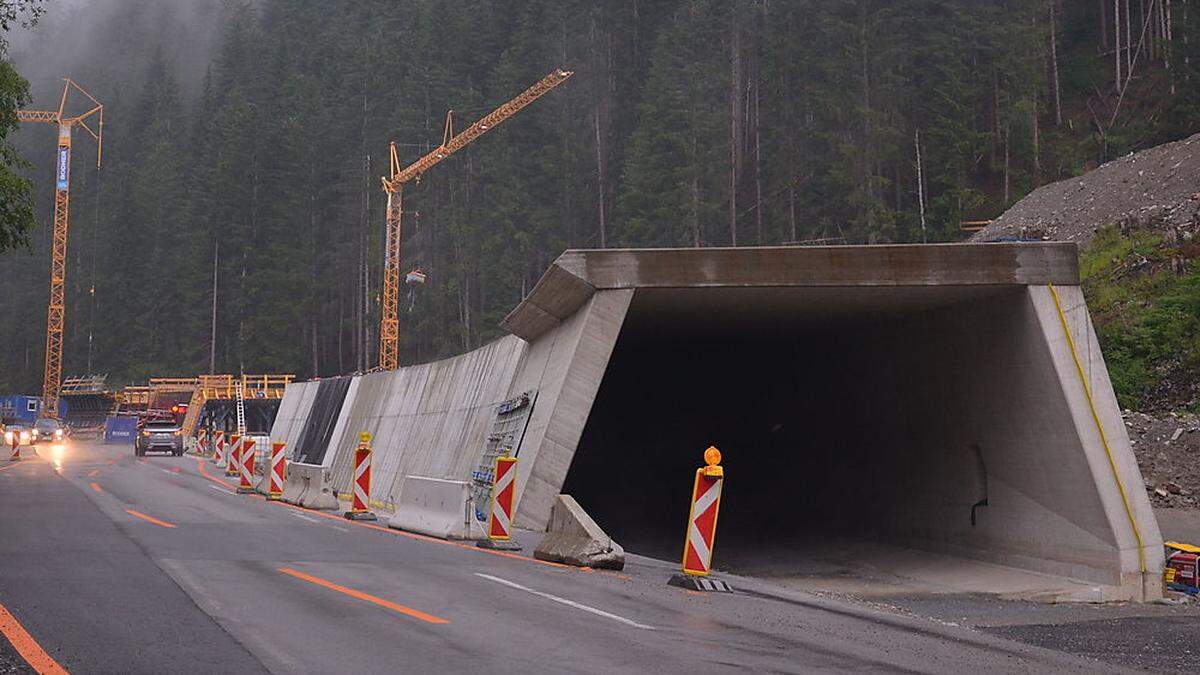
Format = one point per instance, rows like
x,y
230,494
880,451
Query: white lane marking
x,y
221,489
301,516
564,601
167,471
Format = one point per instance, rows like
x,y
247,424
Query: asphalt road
x,y
116,564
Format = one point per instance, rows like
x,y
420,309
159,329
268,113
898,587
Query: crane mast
x,y
56,310
393,185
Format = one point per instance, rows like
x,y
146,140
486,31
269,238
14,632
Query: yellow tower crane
x,y
393,185
56,312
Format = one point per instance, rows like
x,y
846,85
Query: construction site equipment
x,y
504,439
224,388
393,185
85,402
56,311
240,397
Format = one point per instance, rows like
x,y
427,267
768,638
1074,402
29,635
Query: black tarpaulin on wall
x,y
318,428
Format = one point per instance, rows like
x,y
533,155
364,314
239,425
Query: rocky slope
x,y
1158,187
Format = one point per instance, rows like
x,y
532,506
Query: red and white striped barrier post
x,y
202,441
277,475
702,527
235,456
16,447
219,456
360,498
246,466
500,513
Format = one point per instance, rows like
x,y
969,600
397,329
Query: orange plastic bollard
x,y
278,472
246,466
360,499
235,456
702,527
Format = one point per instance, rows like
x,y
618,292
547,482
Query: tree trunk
x,y
315,371
1104,25
1037,157
735,126
921,186
758,198
1006,165
600,87
1117,39
1054,68
1128,43
792,209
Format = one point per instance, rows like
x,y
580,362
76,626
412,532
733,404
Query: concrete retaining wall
x,y
427,420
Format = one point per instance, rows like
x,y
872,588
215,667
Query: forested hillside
x,y
249,138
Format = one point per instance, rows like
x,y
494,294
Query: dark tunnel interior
x,y
797,389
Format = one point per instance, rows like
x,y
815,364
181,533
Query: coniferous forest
x,y
248,139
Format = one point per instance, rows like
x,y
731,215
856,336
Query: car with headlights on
x,y
48,430
159,436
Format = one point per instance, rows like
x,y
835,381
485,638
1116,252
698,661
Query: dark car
x,y
48,430
159,436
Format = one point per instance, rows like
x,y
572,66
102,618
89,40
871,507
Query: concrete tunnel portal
x,y
942,410
818,398
921,399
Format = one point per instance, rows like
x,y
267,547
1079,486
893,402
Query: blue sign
x,y
64,167
119,429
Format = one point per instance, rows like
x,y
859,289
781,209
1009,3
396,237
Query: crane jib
x,y
480,127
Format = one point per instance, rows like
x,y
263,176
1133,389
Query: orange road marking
x,y
97,488
27,647
12,465
93,473
407,611
218,481
150,519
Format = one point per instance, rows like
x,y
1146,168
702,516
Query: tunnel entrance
x,y
848,417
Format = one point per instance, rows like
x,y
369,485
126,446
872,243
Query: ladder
x,y
241,407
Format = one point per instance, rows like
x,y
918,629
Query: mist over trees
x,y
251,136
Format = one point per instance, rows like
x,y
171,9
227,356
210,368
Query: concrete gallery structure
x,y
948,398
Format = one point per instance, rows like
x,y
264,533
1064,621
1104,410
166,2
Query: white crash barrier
x,y
436,507
310,486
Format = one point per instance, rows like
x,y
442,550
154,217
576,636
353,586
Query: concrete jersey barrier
x,y
309,485
573,538
436,507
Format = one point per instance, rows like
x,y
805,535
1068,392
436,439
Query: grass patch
x,y
1147,318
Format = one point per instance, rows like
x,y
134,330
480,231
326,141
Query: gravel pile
x,y
1158,187
1167,447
